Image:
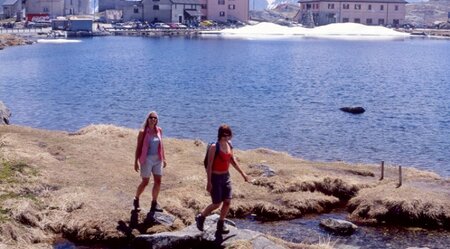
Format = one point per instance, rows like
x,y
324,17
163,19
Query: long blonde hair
x,y
145,124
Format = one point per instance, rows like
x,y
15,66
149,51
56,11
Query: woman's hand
x,y
136,166
164,164
246,177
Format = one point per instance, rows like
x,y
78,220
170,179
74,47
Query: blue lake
x,y
282,94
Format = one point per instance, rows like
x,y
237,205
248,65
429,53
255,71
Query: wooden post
x,y
382,171
399,176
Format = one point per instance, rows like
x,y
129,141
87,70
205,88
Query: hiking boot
x,y
199,221
221,227
155,207
136,204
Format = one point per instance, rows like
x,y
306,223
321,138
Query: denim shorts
x,y
152,165
221,187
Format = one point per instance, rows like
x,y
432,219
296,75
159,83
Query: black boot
x,y
222,228
155,207
136,204
200,221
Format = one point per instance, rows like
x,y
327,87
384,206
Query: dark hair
x,y
224,130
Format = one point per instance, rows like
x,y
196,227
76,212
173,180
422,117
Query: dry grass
x,y
81,185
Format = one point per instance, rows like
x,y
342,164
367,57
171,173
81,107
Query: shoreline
x,y
58,180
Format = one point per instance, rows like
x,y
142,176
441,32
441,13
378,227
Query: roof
x,y
193,12
186,1
354,1
9,2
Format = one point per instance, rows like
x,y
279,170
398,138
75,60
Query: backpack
x,y
205,161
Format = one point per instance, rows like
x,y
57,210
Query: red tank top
x,y
221,162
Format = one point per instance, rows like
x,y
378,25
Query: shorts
x,y
221,188
152,165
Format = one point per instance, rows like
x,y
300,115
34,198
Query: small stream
x,y
307,230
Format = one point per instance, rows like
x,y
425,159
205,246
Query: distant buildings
x,y
369,12
52,8
40,9
10,8
183,11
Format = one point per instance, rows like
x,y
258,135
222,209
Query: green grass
x,y
8,171
8,175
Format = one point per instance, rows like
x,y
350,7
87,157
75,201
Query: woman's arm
x,y
211,155
238,168
138,152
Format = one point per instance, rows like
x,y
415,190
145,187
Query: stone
x,y
267,171
340,227
5,114
353,109
191,237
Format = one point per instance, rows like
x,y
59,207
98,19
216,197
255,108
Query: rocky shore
x,y
8,40
80,186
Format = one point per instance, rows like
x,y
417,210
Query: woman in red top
x,y
219,182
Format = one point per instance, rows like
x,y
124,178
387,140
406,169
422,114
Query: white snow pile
x,y
58,41
330,30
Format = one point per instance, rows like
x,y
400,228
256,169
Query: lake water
x,y
282,94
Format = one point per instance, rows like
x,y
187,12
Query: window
x,y
381,7
136,10
396,7
331,6
204,6
45,9
369,21
155,0
369,7
221,2
71,3
222,13
345,19
357,6
317,6
155,7
231,6
381,21
346,6
357,20
396,22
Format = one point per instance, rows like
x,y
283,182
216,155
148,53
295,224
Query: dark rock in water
x,y
354,110
340,227
5,114
191,237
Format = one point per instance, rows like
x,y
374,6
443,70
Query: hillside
x,y
427,13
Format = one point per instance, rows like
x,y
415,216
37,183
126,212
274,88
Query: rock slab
x,y
191,237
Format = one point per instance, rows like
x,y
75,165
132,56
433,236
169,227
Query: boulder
x,y
267,171
5,114
353,109
340,227
191,237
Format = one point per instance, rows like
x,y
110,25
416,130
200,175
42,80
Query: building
x,y
369,12
224,10
183,11
54,8
11,8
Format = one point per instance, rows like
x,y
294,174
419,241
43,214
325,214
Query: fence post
x,y
399,176
382,171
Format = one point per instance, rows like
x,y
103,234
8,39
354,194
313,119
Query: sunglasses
x,y
153,118
226,135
